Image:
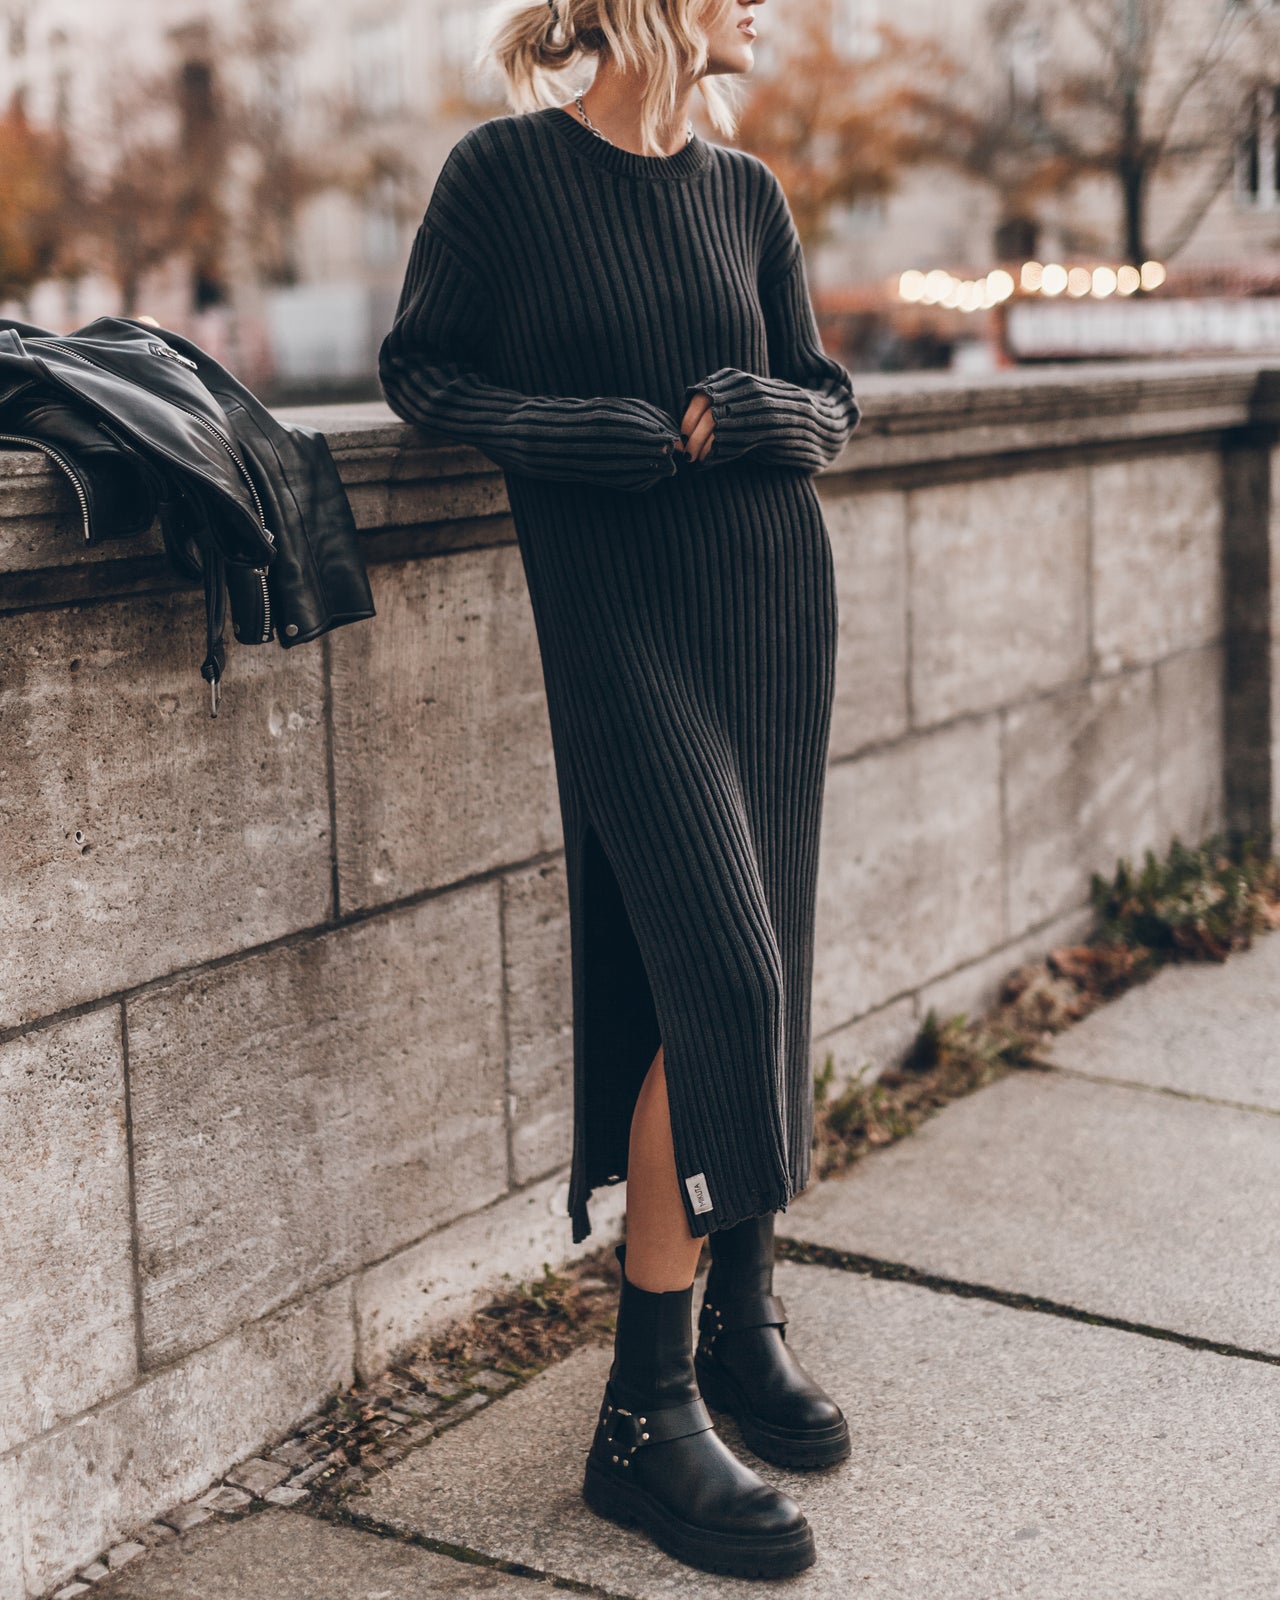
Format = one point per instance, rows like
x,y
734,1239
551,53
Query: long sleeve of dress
x,y
431,374
803,414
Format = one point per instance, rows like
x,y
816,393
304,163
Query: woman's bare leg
x,y
661,1252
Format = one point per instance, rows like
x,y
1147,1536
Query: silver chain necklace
x,y
577,100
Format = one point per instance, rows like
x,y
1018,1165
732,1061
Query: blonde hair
x,y
533,45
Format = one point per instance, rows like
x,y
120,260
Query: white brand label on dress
x,y
697,1187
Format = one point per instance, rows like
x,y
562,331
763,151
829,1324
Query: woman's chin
x,y
739,60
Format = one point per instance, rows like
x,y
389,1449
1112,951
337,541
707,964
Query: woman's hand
x,y
697,427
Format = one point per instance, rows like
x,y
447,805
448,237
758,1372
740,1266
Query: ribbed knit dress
x,y
564,300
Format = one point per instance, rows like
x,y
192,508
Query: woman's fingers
x,y
698,427
699,441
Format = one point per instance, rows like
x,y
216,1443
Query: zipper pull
x,y
170,354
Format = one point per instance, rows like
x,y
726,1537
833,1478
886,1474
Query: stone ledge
x,y
417,493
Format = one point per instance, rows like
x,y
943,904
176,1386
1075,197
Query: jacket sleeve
x,y
803,414
431,371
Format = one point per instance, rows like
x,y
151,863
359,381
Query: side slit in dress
x,y
564,301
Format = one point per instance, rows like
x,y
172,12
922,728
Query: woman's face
x,y
730,31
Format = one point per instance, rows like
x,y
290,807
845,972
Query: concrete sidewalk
x,y
1052,1315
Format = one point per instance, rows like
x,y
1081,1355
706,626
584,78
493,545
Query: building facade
x,y
383,88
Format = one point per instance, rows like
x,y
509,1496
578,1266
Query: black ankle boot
x,y
743,1364
657,1463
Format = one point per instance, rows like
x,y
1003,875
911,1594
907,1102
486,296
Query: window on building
x,y
1025,52
858,219
1258,153
381,225
377,67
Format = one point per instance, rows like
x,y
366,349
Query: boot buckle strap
x,y
624,1432
760,1311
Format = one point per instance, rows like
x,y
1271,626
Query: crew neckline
x,y
687,162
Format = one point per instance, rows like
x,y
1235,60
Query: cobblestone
x,y
224,1498
186,1516
285,1495
494,1382
257,1475
120,1555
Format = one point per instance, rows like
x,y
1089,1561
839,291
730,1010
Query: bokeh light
x,y
1053,280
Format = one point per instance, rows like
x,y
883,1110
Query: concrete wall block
x,y
1080,788
1275,738
92,1482
1157,556
862,1050
12,1583
140,834
443,747
999,590
1189,702
538,977
444,500
419,502
910,872
67,1336
312,1108
1267,545
869,542
975,988
454,1271
1251,555
41,540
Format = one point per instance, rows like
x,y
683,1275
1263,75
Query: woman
x,y
616,312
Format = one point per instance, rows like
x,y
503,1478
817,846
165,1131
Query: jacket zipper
x,y
204,423
170,354
48,450
266,605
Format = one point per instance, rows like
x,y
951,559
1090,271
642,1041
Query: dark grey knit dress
x,y
564,300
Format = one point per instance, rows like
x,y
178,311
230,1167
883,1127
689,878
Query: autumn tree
x,y
1132,92
838,130
36,217
161,193
286,147
284,171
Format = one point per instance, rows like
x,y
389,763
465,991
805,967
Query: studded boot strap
x,y
726,1314
623,1432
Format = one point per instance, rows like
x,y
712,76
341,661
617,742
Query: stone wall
x,y
285,1037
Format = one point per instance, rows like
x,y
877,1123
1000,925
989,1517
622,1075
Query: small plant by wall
x,y
1197,904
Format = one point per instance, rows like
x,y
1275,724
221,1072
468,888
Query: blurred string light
x,y
940,288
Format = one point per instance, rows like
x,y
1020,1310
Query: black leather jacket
x,y
145,423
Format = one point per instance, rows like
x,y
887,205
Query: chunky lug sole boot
x,y
744,1366
656,1462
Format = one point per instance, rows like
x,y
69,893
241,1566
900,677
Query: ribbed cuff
x,y
736,424
656,458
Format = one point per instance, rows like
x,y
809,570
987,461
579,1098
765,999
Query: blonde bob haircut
x,y
534,44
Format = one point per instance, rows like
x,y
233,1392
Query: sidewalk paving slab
x,y
1120,1202
1198,1027
284,1555
995,1453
